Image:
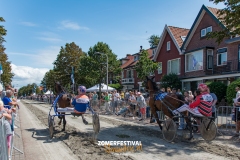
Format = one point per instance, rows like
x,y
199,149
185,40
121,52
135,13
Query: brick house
x,y
129,78
206,60
168,54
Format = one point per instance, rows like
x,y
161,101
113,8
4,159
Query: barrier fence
x,y
3,140
226,117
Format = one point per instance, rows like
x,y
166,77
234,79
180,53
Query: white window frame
x,y
122,74
209,54
210,27
168,45
135,58
205,32
159,71
223,63
187,62
169,67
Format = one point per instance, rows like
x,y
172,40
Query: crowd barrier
x,y
3,140
226,116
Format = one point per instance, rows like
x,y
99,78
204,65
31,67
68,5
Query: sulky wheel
x,y
208,129
169,130
51,125
96,123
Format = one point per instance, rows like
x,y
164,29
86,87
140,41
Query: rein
x,y
176,99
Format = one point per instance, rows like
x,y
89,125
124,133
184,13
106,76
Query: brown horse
x,y
166,105
63,102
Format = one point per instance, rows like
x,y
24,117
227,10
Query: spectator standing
x,y
116,98
238,92
107,102
7,100
122,95
142,104
132,100
126,97
7,124
95,100
169,90
179,92
214,103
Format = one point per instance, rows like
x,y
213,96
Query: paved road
x,y
36,143
153,147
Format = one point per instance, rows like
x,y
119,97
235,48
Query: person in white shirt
x,y
116,98
238,92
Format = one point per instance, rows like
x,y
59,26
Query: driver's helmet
x,y
202,87
82,89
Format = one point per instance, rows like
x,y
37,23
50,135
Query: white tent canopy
x,y
48,92
103,88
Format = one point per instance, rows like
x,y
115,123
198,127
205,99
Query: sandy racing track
x,y
79,139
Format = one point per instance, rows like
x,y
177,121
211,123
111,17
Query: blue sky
x,y
36,29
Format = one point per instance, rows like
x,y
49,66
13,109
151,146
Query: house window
x,y
204,31
159,67
209,29
194,61
129,73
135,58
174,66
209,59
168,46
222,56
122,74
183,38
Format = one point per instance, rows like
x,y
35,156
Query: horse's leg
x,y
84,120
64,122
60,117
157,118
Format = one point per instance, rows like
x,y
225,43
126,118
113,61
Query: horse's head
x,y
150,85
58,88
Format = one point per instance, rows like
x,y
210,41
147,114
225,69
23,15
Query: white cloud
x,y
72,25
43,57
49,39
24,75
29,24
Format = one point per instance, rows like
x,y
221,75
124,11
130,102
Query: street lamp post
x,y
99,53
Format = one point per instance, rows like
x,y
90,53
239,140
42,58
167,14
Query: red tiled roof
x,y
214,11
177,33
131,62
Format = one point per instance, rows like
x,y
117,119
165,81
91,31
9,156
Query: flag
x,y
1,71
72,75
194,62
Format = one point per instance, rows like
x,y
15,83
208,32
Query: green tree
x,y
231,92
93,66
145,65
230,17
153,40
171,80
219,89
48,80
7,76
68,57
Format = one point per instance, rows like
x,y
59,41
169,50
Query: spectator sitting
x,y
7,100
179,92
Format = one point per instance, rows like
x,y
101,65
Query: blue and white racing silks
x,y
81,103
160,96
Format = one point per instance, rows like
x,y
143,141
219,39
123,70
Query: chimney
x,y
140,48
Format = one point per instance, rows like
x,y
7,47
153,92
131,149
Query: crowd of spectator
x,y
8,107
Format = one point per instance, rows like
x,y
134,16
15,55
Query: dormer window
x,y
204,31
135,58
168,46
153,52
183,38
